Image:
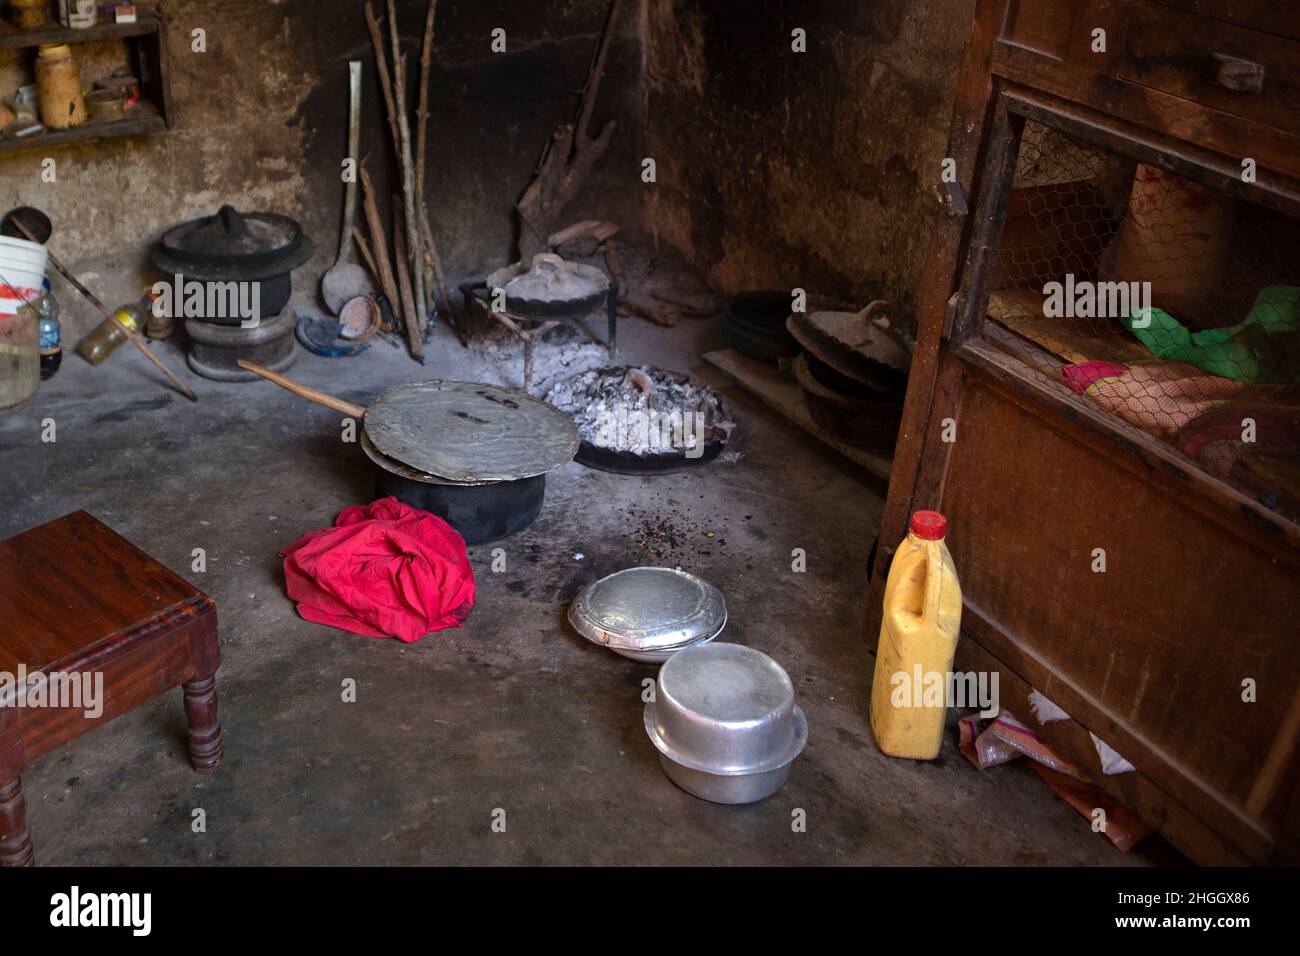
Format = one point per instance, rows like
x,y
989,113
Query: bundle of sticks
x,y
411,275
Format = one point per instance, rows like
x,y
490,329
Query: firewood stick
x,y
364,248
597,228
414,333
435,261
379,244
568,158
646,312
593,79
422,112
385,81
396,116
407,166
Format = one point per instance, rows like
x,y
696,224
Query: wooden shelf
x,y
146,42
138,125
13,38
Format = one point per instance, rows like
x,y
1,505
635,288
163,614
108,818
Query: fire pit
x,y
644,420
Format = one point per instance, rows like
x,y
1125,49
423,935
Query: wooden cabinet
x,y
1165,150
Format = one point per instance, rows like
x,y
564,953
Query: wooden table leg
x,y
15,838
201,711
205,725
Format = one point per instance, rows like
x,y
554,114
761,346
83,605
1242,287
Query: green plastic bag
x,y
1265,348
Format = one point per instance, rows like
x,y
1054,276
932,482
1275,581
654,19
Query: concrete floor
x,y
511,712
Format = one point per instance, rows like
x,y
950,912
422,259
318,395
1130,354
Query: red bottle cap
x,y
929,525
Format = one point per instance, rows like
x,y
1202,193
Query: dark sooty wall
x,y
779,169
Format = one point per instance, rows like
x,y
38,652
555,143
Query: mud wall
x,y
774,168
261,123
778,169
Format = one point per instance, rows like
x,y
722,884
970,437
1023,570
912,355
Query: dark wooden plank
x,y
111,129
1193,124
13,38
1281,17
972,112
1154,806
983,250
1176,53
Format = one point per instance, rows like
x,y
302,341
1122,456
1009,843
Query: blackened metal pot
x,y
480,512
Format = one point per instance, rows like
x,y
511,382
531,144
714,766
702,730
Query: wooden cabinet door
x,y
1197,604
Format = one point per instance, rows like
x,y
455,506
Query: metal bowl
x,y
648,613
725,723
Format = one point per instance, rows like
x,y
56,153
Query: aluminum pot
x,y
725,723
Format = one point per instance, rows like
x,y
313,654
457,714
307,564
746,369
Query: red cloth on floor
x,y
384,569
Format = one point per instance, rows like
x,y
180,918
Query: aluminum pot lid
x,y
649,608
468,432
234,245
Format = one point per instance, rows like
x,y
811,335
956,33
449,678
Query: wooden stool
x,y
78,600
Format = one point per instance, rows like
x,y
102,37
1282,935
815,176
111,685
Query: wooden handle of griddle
x,y
302,391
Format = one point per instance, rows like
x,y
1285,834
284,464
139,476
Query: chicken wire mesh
x,y
1171,306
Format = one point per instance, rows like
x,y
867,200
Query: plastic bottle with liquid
x,y
918,638
108,335
50,333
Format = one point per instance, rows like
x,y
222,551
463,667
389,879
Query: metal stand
x,y
529,330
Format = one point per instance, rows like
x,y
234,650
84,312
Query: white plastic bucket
x,y
22,271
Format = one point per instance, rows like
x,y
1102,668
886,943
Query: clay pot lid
x,y
234,245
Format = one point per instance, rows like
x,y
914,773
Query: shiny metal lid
x,y
647,609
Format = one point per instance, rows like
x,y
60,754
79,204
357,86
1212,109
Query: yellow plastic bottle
x,y
918,637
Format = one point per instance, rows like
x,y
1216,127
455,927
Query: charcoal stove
x,y
540,295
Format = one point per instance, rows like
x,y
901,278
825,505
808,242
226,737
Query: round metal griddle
x,y
486,454
394,467
470,432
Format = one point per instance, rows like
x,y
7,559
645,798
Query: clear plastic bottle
x,y
51,333
108,335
